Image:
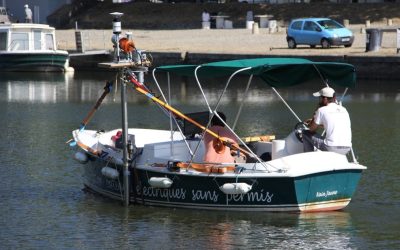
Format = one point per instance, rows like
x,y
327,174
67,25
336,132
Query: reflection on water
x,y
43,206
236,230
39,90
53,87
151,227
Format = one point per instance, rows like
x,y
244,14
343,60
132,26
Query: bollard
x,y
249,24
206,25
362,30
367,24
272,24
346,23
255,31
271,30
389,22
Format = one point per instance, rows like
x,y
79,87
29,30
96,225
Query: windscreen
x,y
330,24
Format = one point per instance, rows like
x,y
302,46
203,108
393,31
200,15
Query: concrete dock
x,y
199,46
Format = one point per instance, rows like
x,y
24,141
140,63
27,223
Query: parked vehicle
x,y
318,31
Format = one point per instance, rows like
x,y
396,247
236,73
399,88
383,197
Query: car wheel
x,y
312,46
325,43
291,43
347,45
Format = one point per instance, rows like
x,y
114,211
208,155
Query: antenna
x,y
116,31
117,22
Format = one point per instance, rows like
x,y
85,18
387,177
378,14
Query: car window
x,y
330,24
296,25
308,25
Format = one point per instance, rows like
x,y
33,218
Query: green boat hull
x,y
34,62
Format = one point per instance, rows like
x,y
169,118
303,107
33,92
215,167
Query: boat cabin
x,y
27,37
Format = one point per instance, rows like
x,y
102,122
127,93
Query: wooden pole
x,y
107,90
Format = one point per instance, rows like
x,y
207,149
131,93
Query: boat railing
x,y
169,114
214,110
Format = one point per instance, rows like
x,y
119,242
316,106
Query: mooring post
x,y
124,108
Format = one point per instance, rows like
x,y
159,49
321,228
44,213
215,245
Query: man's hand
x,y
308,121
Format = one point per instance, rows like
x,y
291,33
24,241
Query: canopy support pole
x,y
287,105
170,116
214,112
342,97
241,105
168,112
201,89
351,149
183,116
244,144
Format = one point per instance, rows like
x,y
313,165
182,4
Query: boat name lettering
x,y
178,193
252,196
112,184
97,178
327,193
204,195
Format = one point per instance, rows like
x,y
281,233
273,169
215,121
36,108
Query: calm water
x,y
43,204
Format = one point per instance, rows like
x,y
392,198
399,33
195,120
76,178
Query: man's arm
x,y
313,126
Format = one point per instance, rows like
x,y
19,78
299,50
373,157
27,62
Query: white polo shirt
x,y
337,125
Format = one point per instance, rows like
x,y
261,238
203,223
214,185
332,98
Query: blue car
x,y
318,31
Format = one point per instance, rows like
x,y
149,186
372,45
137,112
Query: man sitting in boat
x,y
335,119
215,150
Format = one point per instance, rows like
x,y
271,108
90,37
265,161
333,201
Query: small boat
x,y
167,167
31,47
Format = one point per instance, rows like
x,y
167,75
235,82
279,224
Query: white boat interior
x,y
157,150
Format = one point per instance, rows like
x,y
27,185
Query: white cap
x,y
26,6
327,92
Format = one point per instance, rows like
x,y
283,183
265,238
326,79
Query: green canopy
x,y
277,72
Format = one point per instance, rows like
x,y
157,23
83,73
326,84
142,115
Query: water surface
x,y
43,204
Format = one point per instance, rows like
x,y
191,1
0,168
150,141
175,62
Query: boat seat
x,y
189,129
165,151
